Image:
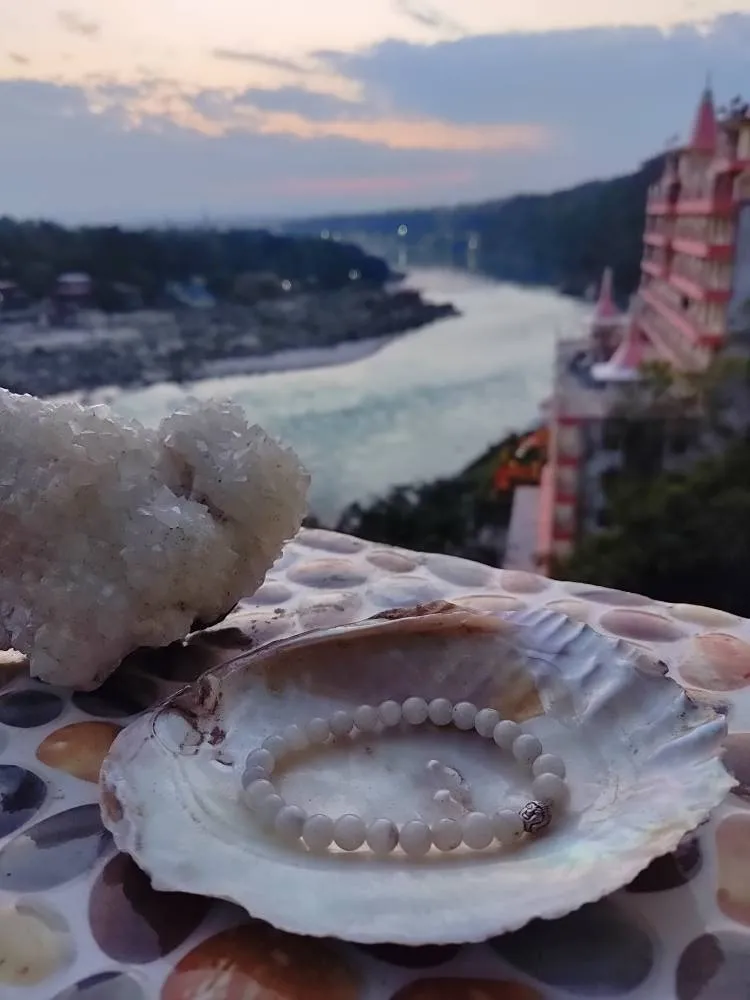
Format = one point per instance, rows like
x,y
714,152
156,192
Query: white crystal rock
x,y
114,536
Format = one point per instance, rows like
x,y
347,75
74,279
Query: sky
x,y
167,110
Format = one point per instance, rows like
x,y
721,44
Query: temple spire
x,y
625,363
705,130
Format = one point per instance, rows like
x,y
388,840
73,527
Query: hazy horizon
x,y
280,220
169,110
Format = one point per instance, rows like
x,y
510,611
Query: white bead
x,y
549,789
289,822
415,838
382,836
276,745
317,730
269,807
366,718
505,733
477,830
341,722
485,722
258,790
317,832
464,714
507,826
251,774
435,769
447,804
526,748
390,713
447,834
261,758
549,763
415,711
295,738
440,711
349,832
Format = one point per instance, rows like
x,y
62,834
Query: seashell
x,y
643,767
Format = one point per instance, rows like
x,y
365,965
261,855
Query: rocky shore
x,y
186,345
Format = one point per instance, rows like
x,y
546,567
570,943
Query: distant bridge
x,y
445,248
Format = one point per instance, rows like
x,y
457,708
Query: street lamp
x,y
401,233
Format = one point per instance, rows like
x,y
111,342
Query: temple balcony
x,y
660,199
569,446
703,248
659,206
705,202
566,484
697,290
564,522
677,338
657,269
655,238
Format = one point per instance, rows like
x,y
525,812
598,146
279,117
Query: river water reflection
x,y
422,407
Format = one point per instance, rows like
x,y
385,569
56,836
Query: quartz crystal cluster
x,y
114,536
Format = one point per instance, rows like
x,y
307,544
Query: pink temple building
x,y
696,240
589,372
694,294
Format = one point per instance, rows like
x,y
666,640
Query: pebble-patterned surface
x,y
78,921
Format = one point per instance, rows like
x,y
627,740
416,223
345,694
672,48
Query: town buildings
x,y
15,306
694,296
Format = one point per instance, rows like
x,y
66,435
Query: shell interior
x,y
642,759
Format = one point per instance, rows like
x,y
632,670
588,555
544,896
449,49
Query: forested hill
x,y
34,253
564,239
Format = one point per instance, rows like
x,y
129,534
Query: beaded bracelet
x,y
349,832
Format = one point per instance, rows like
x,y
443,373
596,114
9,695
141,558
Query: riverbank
x,y
183,347
467,514
301,359
297,359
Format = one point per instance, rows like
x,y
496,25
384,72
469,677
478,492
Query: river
x,y
422,407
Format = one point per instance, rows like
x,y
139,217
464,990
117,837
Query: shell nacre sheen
x,y
643,766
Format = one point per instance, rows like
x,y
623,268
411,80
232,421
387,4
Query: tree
x,y
704,395
34,253
464,515
677,537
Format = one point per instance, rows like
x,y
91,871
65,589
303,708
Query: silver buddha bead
x,y
536,816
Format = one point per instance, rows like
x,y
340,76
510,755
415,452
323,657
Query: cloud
x,y
613,95
428,16
18,59
312,104
453,121
423,134
106,169
78,25
302,114
260,59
